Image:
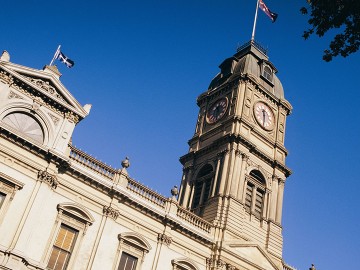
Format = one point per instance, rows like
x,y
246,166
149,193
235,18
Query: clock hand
x,y
216,113
263,111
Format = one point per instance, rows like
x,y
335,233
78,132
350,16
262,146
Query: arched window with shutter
x,y
202,187
255,193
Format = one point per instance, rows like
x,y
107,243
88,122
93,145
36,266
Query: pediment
x,y
253,254
43,84
48,86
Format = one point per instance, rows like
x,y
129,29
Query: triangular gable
x,y
253,254
46,84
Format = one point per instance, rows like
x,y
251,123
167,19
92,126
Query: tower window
x,y
202,187
258,176
267,73
255,193
248,197
259,201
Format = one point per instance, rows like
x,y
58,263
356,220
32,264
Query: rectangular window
x,y
62,248
127,262
2,199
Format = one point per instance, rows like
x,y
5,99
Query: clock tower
x,y
234,172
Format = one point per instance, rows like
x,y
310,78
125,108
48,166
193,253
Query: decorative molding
x,y
22,87
230,267
45,86
6,77
164,239
210,263
281,127
37,102
18,85
111,212
12,94
72,117
48,178
220,264
54,119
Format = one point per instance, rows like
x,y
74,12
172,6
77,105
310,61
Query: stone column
x,y
182,188
224,173
273,201
280,201
187,189
235,178
216,176
241,188
192,187
231,170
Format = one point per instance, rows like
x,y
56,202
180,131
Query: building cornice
x,y
245,142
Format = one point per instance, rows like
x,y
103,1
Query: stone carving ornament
x,y
163,238
111,212
45,86
48,178
12,94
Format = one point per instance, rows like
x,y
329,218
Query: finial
x,y
5,56
312,267
174,191
125,163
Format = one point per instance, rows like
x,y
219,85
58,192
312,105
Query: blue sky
x,y
141,64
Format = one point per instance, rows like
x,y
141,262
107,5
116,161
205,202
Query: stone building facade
x,y
60,208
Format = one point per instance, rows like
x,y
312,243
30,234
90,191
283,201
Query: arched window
x,y
255,193
131,252
26,125
183,264
202,187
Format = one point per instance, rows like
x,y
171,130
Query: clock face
x,y
217,110
264,115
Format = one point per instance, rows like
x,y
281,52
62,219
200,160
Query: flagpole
x,y
256,13
55,55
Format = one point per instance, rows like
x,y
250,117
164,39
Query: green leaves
x,y
335,14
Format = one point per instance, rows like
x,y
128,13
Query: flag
x,y
271,15
63,58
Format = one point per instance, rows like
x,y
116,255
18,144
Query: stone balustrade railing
x,y
193,219
92,163
146,193
139,189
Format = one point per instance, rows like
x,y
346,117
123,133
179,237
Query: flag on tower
x,y
63,58
273,16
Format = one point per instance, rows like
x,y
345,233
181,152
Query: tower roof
x,y
250,59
